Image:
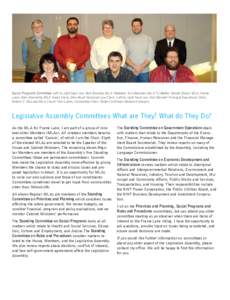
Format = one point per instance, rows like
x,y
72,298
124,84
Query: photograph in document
x,y
155,48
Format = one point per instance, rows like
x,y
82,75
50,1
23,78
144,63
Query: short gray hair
x,y
37,21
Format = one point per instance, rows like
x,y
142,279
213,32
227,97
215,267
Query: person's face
x,y
172,60
170,32
37,29
48,66
137,27
115,64
72,26
107,30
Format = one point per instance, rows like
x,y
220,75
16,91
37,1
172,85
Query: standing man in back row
x,y
170,41
72,51
33,48
140,51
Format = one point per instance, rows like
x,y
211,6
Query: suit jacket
x,y
162,46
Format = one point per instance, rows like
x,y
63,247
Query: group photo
x,y
100,48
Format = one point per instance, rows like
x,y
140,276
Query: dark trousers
x,y
28,77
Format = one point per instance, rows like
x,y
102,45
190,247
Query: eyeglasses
x,y
37,26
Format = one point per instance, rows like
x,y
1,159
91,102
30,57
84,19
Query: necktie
x,y
170,44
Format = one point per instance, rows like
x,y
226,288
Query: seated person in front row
x,y
49,71
115,72
172,70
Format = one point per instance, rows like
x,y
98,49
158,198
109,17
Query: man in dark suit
x,y
169,41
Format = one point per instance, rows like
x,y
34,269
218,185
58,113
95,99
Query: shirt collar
x,y
139,34
75,37
55,75
109,72
34,38
172,41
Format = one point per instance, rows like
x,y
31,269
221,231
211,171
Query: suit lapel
x,y
165,44
175,43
